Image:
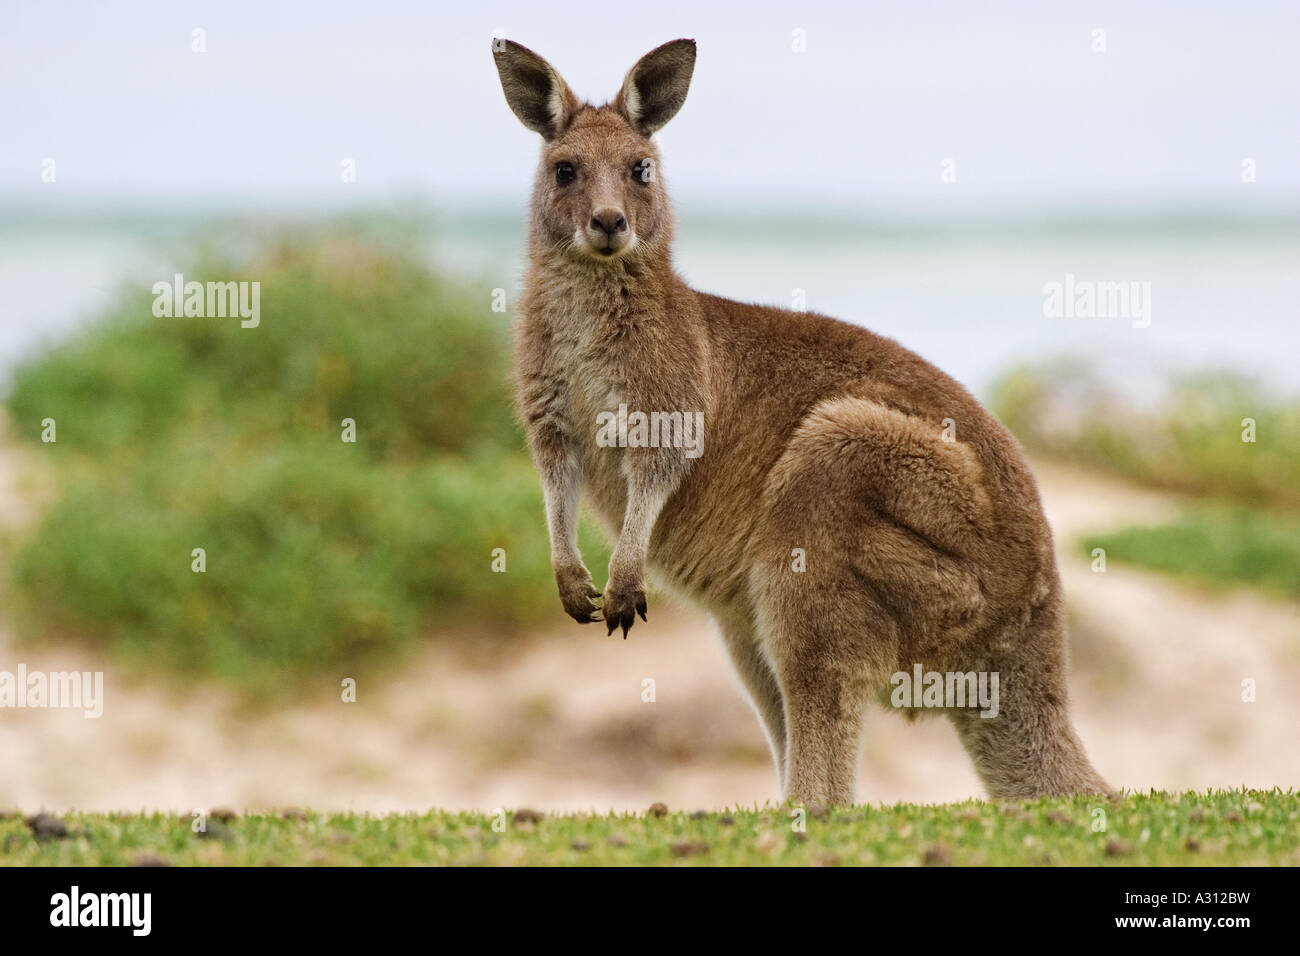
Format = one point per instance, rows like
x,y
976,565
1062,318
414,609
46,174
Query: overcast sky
x,y
884,93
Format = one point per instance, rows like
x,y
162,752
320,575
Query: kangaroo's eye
x,y
644,171
565,173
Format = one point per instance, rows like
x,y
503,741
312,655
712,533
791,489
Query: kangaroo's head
x,y
598,193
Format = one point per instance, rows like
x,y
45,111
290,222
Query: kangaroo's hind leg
x,y
884,511
756,673
823,640
831,647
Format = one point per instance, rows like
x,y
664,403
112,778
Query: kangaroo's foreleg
x,y
558,459
652,476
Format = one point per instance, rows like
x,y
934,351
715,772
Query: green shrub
x,y
322,556
1215,547
347,330
1189,440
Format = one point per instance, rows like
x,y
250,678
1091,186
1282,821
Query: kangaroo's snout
x,y
610,220
607,231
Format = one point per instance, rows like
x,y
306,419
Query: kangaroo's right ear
x,y
536,93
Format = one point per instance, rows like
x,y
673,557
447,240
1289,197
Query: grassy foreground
x,y
1242,827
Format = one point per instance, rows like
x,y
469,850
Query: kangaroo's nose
x,y
609,221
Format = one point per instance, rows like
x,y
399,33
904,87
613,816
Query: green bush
x,y
348,330
1246,530
1189,440
1218,548
322,556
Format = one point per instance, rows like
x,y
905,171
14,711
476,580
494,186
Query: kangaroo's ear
x,y
655,88
536,93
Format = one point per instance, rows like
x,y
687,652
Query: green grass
x,y
1217,548
1220,828
323,557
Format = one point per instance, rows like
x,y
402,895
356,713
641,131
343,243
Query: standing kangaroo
x,y
854,512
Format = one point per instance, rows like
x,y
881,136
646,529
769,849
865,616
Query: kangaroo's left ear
x,y
655,88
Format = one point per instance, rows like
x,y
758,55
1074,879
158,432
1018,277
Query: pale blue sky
x,y
884,93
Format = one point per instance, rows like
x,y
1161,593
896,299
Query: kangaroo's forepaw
x,y
622,605
577,594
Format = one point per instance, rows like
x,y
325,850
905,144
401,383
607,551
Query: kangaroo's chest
x,y
596,385
615,355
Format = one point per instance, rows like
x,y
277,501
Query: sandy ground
x,y
558,721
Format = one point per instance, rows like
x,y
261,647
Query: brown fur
x,y
819,435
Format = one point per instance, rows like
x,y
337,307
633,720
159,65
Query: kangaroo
x,y
853,512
